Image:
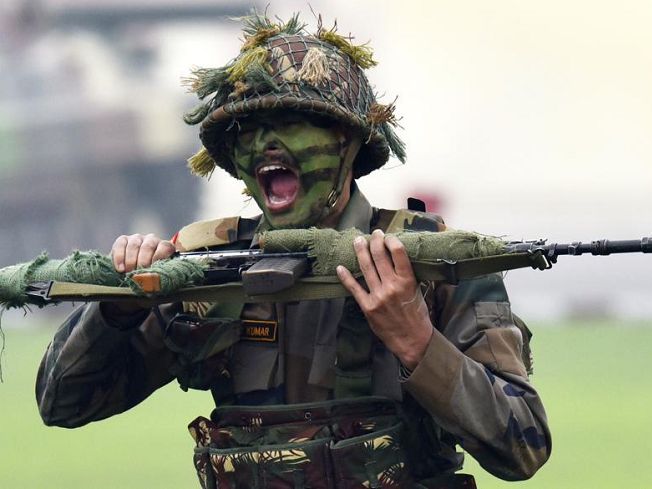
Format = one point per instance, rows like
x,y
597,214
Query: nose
x,y
271,146
272,149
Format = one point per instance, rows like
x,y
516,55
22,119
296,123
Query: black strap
x,y
448,481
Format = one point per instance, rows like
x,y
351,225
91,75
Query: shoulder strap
x,y
393,221
215,232
355,341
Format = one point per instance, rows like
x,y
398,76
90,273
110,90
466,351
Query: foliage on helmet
x,y
283,68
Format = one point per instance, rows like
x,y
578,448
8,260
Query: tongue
x,y
283,186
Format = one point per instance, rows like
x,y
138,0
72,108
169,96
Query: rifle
x,y
259,272
281,276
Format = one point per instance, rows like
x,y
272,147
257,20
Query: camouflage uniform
x,y
307,395
472,391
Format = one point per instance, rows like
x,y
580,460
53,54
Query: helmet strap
x,y
346,165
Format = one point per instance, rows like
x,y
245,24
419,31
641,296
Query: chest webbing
x,y
357,348
357,345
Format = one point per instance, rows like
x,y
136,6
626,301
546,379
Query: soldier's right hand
x,y
138,251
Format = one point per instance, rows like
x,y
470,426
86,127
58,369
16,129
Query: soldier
x,y
376,390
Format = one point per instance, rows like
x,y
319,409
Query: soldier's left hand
x,y
393,303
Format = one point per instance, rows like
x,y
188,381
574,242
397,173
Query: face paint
x,y
290,166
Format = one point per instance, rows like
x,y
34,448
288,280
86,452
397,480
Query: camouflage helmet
x,y
282,68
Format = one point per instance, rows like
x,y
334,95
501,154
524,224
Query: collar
x,y
357,213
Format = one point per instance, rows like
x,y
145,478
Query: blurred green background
x,y
593,377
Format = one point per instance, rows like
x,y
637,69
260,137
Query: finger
x,y
118,253
366,263
402,264
165,249
131,255
147,249
380,255
352,285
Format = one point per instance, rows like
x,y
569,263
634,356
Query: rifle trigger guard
x,y
539,260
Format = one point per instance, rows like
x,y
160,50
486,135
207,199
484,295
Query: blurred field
x,y
593,377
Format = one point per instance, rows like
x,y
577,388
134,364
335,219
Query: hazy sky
x,y
512,100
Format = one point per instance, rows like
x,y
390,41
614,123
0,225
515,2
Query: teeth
x,y
267,169
276,200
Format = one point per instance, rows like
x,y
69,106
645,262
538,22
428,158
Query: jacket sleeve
x,y
473,381
95,368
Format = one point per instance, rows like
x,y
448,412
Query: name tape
x,y
258,330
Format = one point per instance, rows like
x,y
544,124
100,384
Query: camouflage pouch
x,y
291,465
334,444
375,460
202,346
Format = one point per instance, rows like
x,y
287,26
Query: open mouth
x,y
280,184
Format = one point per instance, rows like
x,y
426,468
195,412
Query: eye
x,y
245,137
323,122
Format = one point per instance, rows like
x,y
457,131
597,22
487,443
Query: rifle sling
x,y
308,288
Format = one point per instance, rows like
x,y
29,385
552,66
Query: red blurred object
x,y
435,202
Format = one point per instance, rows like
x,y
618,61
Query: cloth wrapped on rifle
x,y
90,267
328,248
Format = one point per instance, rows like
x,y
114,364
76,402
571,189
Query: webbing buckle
x,y
40,293
540,260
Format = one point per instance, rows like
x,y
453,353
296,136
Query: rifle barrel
x,y
597,247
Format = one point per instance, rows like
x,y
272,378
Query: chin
x,y
304,215
290,221
281,223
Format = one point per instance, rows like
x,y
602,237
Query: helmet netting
x,y
292,71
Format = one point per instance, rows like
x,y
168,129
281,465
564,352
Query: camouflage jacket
x,y
472,383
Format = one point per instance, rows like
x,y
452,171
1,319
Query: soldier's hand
x,y
138,251
393,305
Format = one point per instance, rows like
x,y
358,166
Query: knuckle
x,y
388,293
394,244
148,245
134,243
377,250
167,244
374,306
119,243
162,253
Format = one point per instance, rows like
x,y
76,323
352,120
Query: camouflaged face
x,y
314,153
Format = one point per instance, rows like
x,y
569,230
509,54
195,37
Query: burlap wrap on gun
x,y
327,247
90,267
330,248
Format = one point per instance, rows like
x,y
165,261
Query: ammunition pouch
x,y
202,346
341,444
